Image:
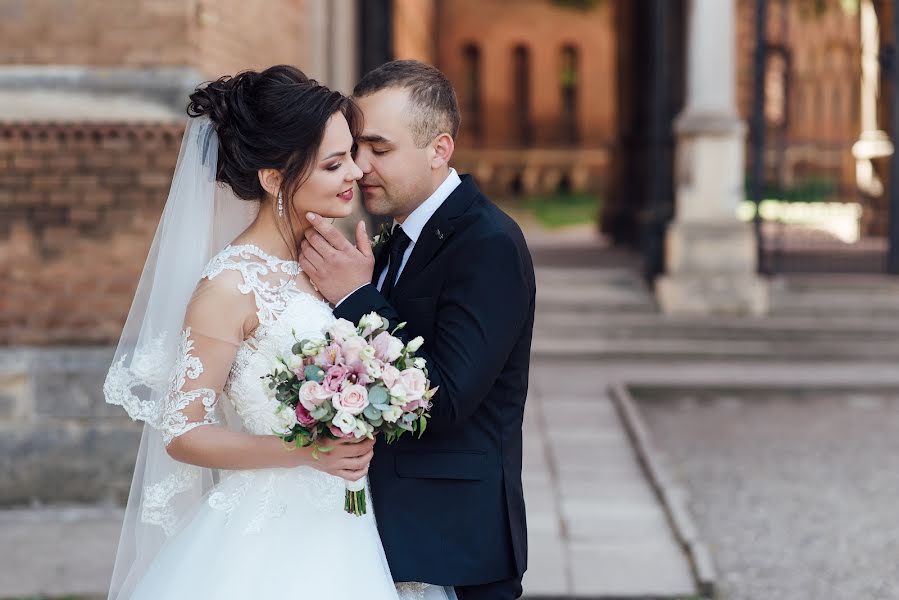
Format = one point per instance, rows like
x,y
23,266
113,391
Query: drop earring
x,y
280,204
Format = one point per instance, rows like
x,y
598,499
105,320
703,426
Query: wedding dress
x,y
196,533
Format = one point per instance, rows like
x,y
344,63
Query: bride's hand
x,y
345,458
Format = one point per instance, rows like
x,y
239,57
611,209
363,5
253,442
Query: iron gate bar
x,y
757,126
893,235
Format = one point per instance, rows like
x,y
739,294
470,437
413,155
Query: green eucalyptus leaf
x,y
314,373
372,412
378,395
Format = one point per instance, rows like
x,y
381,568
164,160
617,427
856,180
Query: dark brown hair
x,y
434,108
273,119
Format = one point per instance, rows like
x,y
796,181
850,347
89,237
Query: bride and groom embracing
x,y
245,262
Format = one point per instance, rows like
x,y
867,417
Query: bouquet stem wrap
x,y
355,497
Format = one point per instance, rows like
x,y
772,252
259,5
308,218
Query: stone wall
x,y
59,441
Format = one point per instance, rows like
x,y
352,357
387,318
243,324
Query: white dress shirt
x,y
416,221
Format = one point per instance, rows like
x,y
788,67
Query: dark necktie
x,y
395,248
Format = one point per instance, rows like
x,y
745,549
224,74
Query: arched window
x,y
521,77
472,117
568,79
776,92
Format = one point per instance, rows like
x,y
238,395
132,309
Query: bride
x,y
219,506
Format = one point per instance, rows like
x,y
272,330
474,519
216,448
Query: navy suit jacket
x,y
449,506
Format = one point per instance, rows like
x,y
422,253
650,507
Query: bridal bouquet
x,y
355,381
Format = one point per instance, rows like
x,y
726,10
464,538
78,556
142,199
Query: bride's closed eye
x,y
334,167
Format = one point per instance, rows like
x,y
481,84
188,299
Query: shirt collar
x,y
419,217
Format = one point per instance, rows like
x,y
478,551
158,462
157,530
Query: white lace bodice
x,y
285,315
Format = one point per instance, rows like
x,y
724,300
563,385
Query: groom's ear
x,y
270,180
443,146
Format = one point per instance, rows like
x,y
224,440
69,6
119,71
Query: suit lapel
x,y
438,230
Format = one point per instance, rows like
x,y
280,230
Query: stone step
x,y
653,329
683,348
725,326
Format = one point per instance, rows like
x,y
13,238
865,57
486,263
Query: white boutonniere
x,y
381,238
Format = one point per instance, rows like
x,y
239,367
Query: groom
x,y
456,269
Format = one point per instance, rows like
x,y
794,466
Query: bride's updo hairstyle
x,y
274,119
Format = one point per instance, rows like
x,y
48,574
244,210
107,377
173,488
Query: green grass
x,y
561,210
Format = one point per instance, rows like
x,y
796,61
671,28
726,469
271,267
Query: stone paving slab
x,y
57,552
597,529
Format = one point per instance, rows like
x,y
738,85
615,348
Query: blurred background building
x,y
629,114
566,101
709,146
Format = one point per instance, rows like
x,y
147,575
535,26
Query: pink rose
x,y
303,416
390,375
387,347
352,349
414,382
352,400
313,395
334,378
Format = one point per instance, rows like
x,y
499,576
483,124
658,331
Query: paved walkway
x,y
596,529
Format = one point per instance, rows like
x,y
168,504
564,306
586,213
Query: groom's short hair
x,y
432,100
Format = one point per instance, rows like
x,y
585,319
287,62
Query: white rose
x,y
341,330
415,344
372,321
387,347
352,349
392,414
363,428
372,368
345,422
312,395
367,353
398,395
414,382
419,363
286,419
294,362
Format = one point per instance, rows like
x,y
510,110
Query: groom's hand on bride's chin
x,y
334,265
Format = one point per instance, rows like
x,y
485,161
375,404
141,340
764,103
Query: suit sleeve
x,y
480,313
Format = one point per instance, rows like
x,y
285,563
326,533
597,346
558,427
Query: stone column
x,y
873,142
332,43
710,254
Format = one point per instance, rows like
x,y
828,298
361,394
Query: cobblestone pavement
x,y
795,492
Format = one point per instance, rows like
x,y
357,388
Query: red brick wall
x,y
496,28
78,208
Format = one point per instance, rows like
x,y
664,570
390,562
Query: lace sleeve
x,y
216,322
